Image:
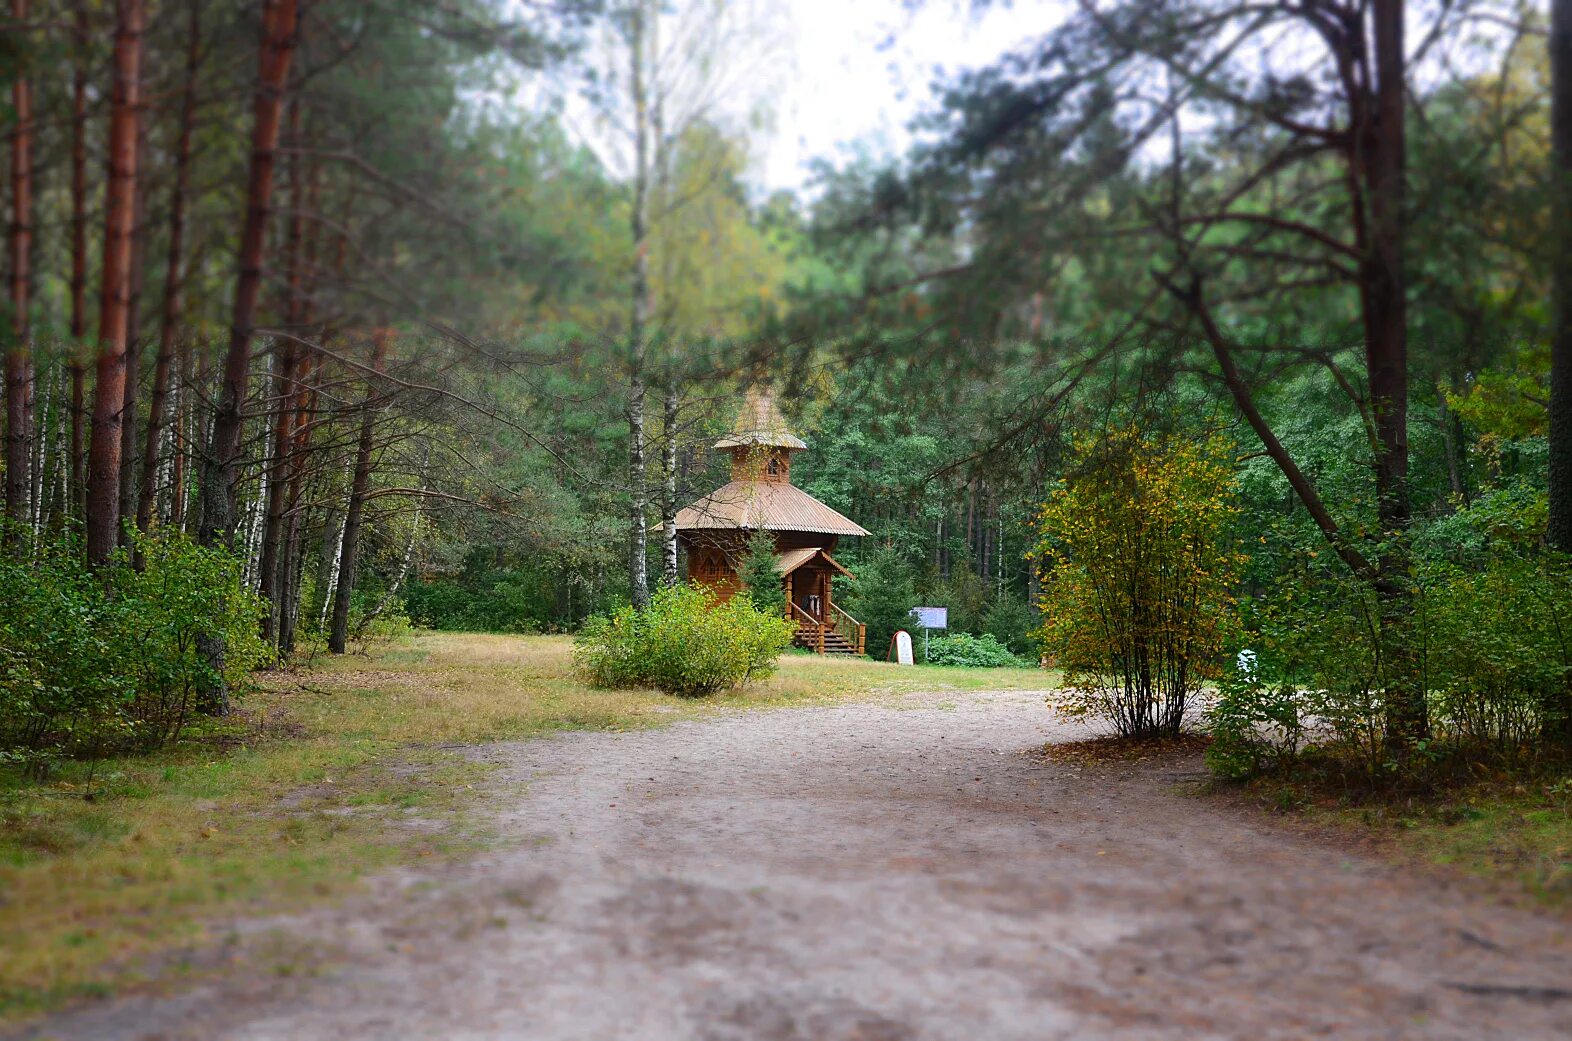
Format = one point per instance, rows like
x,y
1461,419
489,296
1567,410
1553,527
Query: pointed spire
x,y
760,423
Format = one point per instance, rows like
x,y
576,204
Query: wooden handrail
x,y
857,635
844,614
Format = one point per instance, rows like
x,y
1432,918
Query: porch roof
x,y
792,559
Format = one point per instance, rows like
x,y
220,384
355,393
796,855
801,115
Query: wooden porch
x,y
821,624
839,634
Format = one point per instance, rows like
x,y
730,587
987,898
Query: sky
x,y
836,78
862,69
829,74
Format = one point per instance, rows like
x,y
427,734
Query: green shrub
x,y
183,591
974,652
92,661
1319,643
1498,660
1494,656
1254,725
493,592
685,642
494,602
59,686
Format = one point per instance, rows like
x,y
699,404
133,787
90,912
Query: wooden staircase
x,y
839,634
807,637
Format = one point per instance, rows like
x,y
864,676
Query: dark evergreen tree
x,y
760,576
883,597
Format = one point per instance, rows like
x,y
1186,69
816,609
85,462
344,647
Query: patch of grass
x,y
341,770
1517,835
1514,837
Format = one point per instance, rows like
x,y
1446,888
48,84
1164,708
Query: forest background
x,y
306,281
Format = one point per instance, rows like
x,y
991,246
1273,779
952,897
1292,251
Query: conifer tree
x,y
761,577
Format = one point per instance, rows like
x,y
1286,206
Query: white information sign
x,y
903,647
932,617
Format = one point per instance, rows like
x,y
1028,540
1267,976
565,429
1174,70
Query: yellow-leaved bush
x,y
1139,561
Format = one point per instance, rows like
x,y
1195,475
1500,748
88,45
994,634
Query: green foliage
x,y
1009,620
376,619
685,642
761,578
1508,402
1138,573
1495,661
973,652
967,596
1320,655
485,597
1506,519
95,661
1499,662
882,597
58,684
1254,725
506,603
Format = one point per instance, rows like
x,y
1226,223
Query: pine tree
x,y
883,597
761,577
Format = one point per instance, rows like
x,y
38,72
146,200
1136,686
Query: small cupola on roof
x,y
760,442
760,495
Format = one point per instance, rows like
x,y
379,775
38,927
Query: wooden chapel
x,y
716,529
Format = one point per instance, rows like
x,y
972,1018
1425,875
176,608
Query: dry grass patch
x,y
112,869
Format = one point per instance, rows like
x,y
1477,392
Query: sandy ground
x,y
881,873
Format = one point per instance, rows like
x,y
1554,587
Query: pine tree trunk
x,y
103,478
283,393
174,274
133,383
78,350
309,378
349,552
1560,526
221,463
1386,359
290,564
18,357
271,575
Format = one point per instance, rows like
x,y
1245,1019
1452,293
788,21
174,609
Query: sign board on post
x,y
930,618
903,647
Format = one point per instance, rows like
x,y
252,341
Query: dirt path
x,y
882,874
